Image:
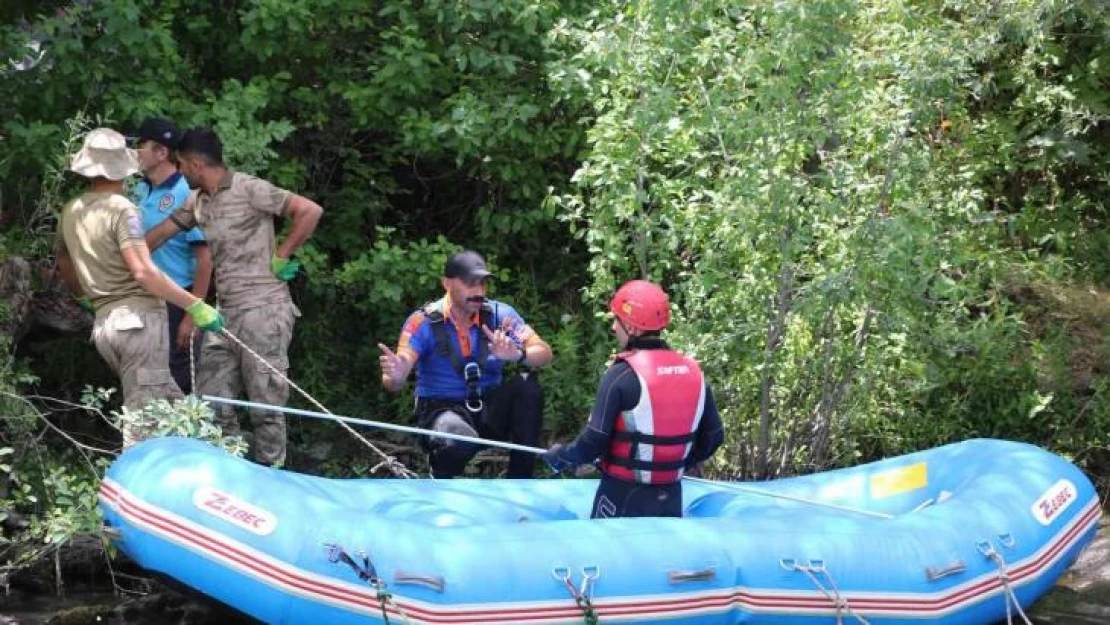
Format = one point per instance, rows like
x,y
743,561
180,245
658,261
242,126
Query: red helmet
x,y
641,305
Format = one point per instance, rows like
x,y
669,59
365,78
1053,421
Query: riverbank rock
x,y
1082,596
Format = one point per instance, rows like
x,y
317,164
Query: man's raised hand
x,y
502,346
392,364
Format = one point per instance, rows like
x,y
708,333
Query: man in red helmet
x,y
654,415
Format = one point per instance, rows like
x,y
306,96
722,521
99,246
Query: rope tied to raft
x,y
987,549
395,466
192,361
581,595
367,573
832,592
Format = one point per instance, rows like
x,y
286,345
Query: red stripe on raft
x,y
288,576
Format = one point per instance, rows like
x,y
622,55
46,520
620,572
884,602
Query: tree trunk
x,y
38,304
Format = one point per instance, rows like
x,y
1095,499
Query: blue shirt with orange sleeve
x,y
436,376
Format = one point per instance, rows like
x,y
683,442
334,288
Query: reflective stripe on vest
x,y
652,440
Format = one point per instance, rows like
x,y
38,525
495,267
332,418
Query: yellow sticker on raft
x,y
898,481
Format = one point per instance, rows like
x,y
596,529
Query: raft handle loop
x,y
832,593
367,573
986,548
581,595
1004,577
789,564
932,574
704,575
589,576
1007,540
562,574
435,582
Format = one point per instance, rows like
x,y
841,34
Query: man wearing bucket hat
x,y
459,345
102,255
654,416
184,257
236,211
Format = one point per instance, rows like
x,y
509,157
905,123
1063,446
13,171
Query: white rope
x,y
988,550
774,495
389,462
385,597
192,362
834,596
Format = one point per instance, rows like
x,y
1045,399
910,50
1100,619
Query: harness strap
x,y
443,345
653,439
646,465
471,370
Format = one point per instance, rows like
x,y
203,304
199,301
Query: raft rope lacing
x,y
987,549
581,595
832,592
395,466
367,573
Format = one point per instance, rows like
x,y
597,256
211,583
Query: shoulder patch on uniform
x,y
134,225
414,322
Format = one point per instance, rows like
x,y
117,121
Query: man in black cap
x,y
459,345
184,257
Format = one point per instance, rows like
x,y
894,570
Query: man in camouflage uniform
x,y
236,212
102,255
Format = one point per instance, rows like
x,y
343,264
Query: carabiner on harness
x,y
473,376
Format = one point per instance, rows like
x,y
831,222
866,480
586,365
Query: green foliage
x,y
53,483
189,417
813,182
846,198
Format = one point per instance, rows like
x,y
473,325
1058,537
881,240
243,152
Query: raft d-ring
x,y
817,566
561,574
334,552
790,564
985,547
589,576
1007,540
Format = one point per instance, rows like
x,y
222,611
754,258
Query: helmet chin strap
x,y
625,328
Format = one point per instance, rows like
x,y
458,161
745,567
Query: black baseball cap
x,y
160,130
468,265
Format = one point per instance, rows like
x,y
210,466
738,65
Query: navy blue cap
x,y
160,130
468,265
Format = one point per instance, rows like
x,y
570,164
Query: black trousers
x,y
512,412
616,498
179,358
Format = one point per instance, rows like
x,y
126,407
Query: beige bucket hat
x,y
105,154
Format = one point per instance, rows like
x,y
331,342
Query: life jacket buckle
x,y
471,372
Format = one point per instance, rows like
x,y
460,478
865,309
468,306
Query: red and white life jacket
x,y
652,440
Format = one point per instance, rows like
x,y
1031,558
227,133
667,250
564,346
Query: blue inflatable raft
x,y
964,533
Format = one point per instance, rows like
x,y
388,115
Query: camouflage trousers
x,y
226,370
135,343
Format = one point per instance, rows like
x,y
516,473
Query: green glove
x,y
205,317
86,305
284,268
